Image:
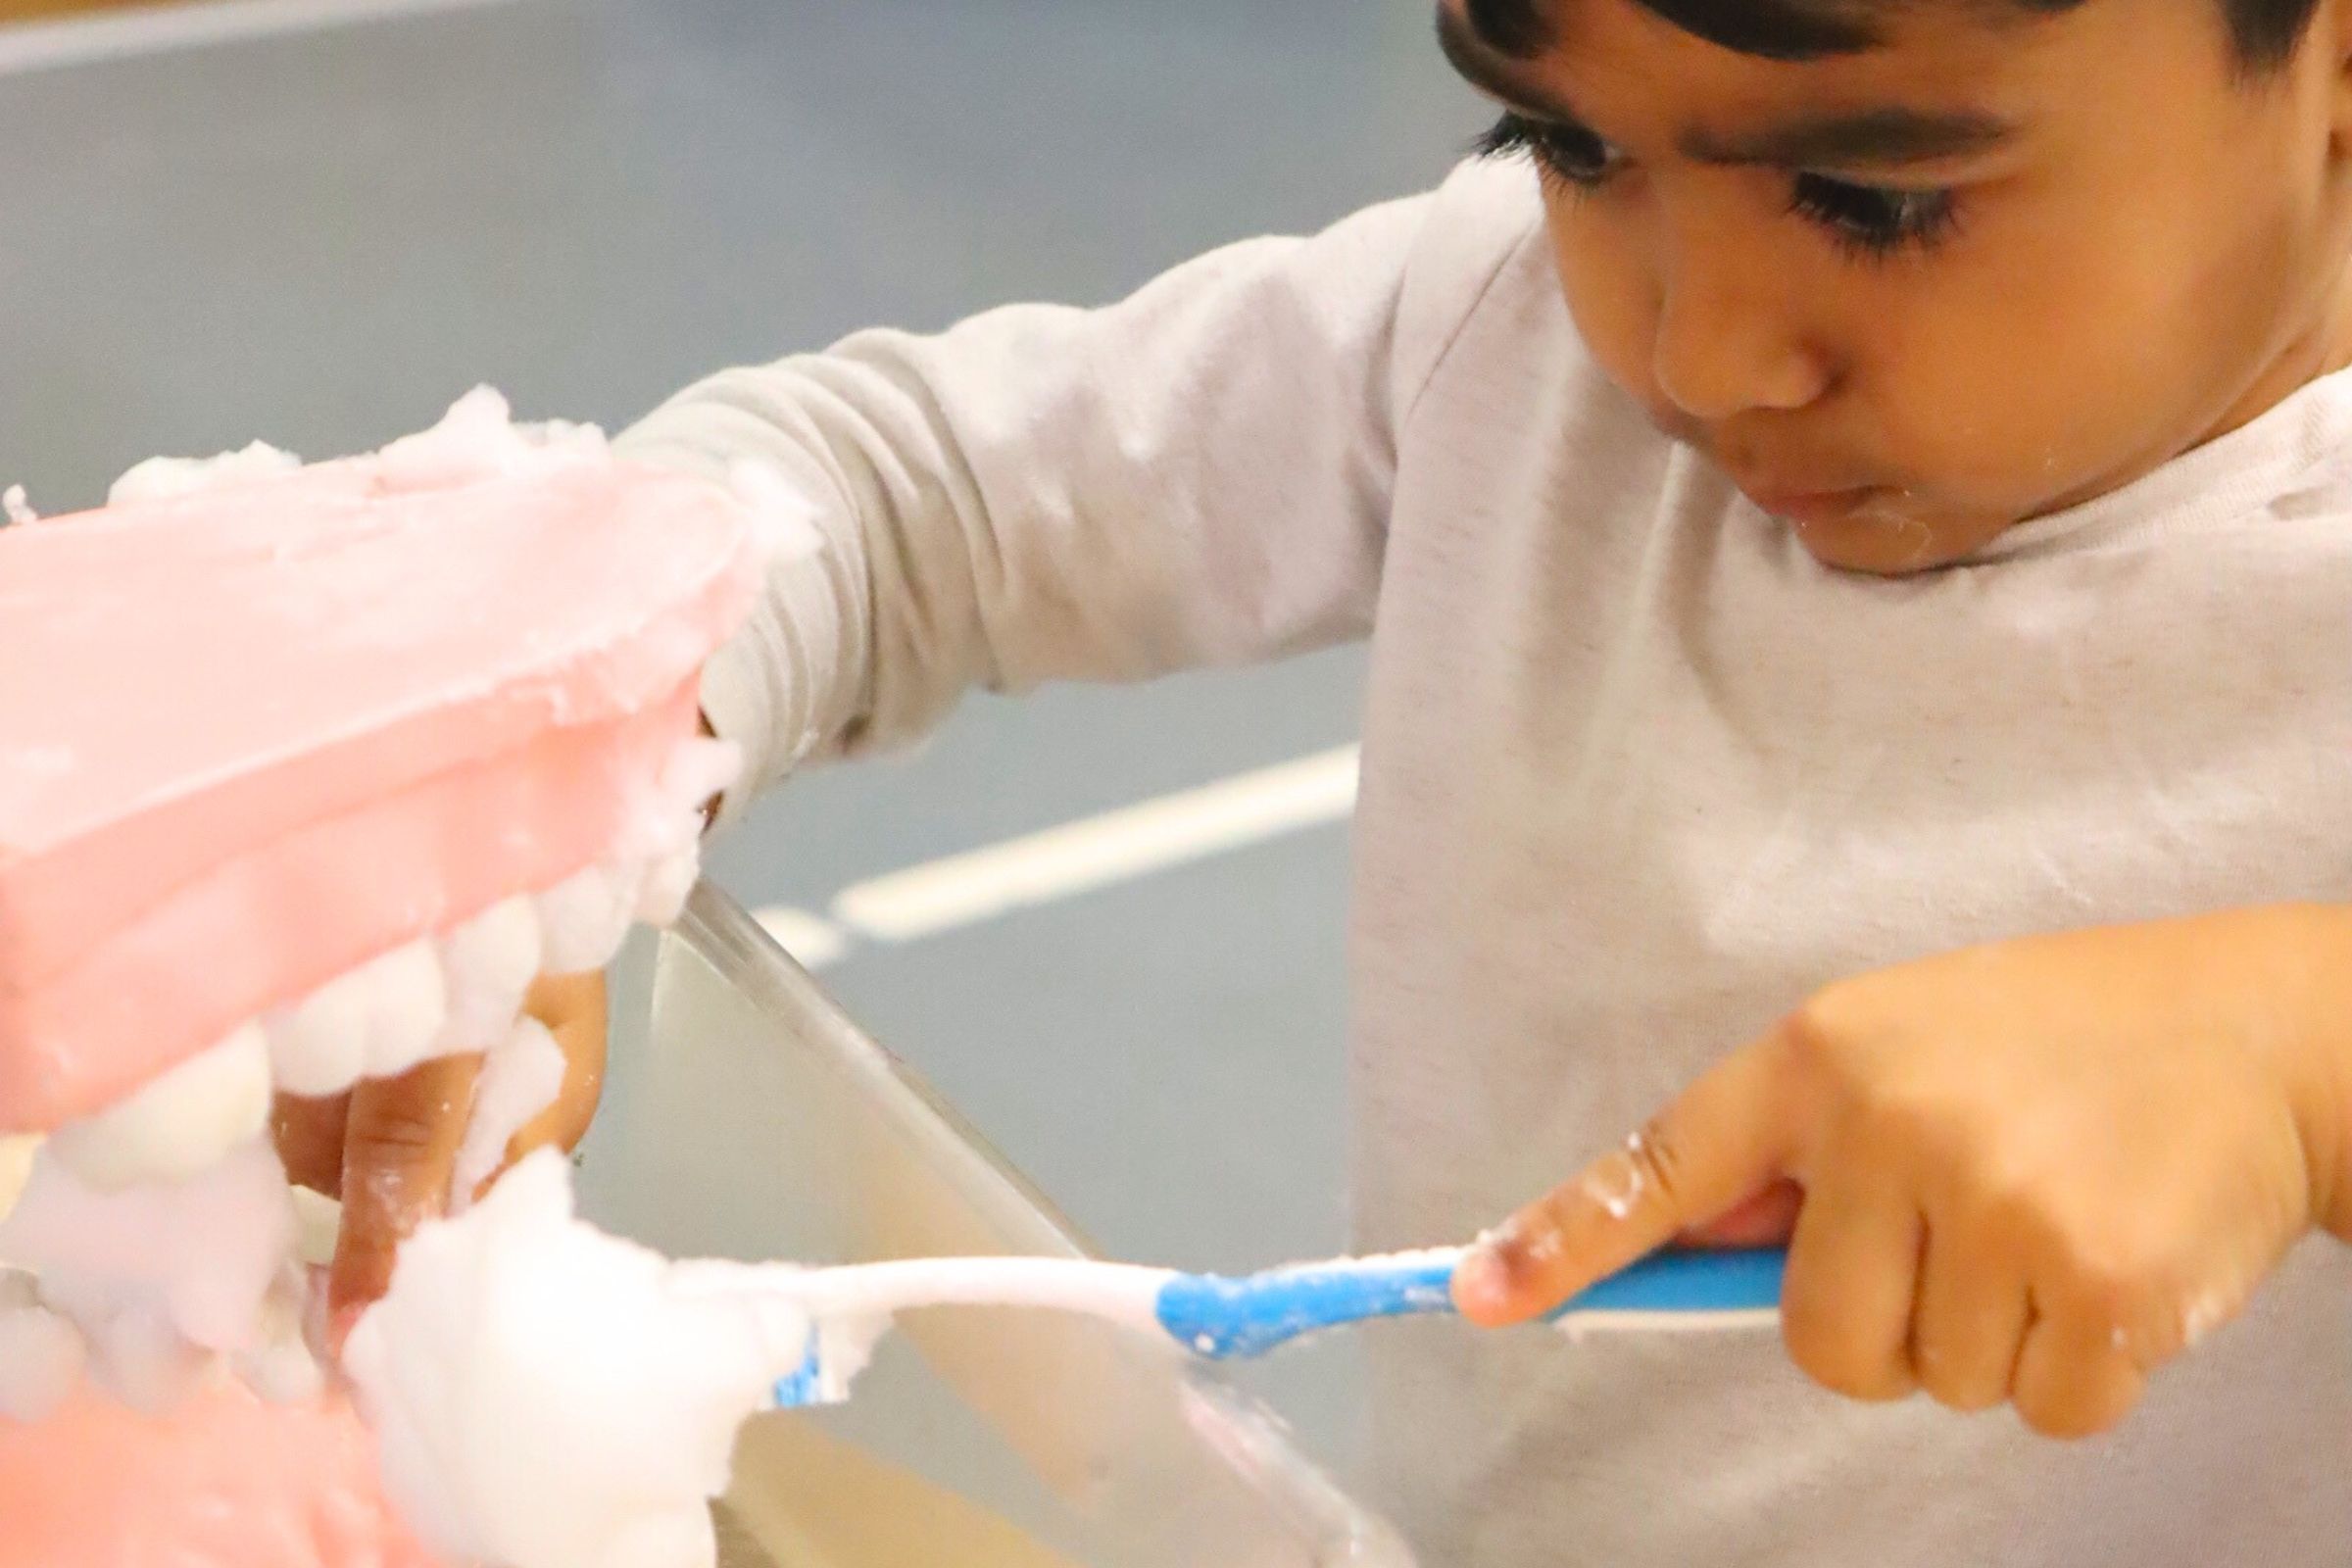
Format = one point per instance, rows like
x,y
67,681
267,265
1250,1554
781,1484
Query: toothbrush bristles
x,y
805,1386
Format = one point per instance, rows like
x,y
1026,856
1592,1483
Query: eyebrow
x,y
1771,30
1880,139
1869,138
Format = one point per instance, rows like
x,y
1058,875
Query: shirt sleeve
x,y
1197,475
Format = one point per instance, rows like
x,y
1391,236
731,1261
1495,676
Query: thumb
x,y
400,1147
1718,1146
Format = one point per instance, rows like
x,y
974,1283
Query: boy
x,y
1875,486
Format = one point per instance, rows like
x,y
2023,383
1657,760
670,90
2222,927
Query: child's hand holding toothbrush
x,y
2030,1173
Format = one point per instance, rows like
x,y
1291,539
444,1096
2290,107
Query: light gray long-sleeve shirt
x,y
1639,775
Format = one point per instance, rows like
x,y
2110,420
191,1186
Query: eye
x,y
1567,152
1874,221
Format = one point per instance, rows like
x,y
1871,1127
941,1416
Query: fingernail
x,y
1483,1280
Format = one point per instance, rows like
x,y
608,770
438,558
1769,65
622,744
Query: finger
x,y
398,1151
1853,1271
574,1010
1974,1310
309,1136
2074,1379
1768,1219
1717,1145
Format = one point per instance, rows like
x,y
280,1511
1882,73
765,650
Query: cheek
x,y
1612,290
2041,363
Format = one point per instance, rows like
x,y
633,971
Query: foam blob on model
x,y
309,773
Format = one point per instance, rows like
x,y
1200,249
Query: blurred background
x,y
319,222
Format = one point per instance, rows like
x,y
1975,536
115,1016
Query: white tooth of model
x,y
318,1227
41,1357
584,918
487,965
319,1045
178,1124
408,1007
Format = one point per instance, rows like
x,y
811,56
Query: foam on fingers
x,y
520,1078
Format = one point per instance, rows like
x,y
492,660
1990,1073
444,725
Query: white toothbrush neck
x,y
1119,1292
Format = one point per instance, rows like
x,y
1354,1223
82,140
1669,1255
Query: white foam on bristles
x,y
548,1397
520,1078
15,507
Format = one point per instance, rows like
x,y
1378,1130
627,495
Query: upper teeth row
x,y
436,996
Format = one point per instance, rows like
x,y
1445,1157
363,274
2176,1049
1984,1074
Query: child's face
x,y
2054,253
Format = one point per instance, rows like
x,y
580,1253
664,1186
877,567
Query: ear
x,y
2331,31
2329,42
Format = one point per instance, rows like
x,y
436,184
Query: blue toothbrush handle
x,y
1224,1318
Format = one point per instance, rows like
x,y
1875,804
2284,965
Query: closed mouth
x,y
1810,505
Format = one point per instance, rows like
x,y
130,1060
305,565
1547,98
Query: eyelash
x,y
1870,222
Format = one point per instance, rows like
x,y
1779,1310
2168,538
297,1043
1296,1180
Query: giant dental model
x,y
305,775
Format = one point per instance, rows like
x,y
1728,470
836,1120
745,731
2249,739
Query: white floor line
x,y
159,29
1077,857
1117,847
816,942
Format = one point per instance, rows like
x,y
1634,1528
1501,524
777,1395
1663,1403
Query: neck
x,y
2321,347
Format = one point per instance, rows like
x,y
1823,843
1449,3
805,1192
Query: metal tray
x,y
748,1119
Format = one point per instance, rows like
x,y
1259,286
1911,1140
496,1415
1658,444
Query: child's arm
x,y
1197,475
2029,1173
1200,474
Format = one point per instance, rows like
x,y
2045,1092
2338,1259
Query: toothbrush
x,y
1228,1318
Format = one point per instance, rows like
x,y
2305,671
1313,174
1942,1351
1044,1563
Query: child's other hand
x,y
2028,1173
388,1149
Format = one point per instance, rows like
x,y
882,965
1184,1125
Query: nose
x,y
1728,339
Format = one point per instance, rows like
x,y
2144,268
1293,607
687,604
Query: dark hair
x,y
2264,33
